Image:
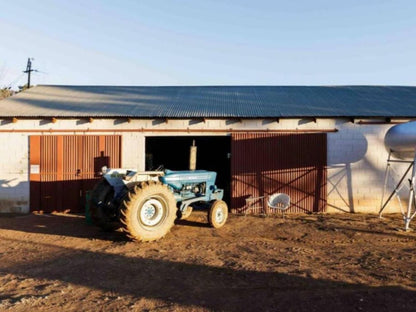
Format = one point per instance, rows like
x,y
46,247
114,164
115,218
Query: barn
x,y
322,145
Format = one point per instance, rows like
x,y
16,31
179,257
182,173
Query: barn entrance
x,y
64,167
213,154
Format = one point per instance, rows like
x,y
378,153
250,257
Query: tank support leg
x,y
409,216
399,184
386,176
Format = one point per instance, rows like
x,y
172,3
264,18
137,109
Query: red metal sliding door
x,y
63,168
267,163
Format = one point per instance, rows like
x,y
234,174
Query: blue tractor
x,y
147,203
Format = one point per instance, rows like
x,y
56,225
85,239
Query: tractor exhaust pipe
x,y
192,156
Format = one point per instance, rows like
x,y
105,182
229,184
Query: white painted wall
x,y
357,162
14,167
132,150
356,154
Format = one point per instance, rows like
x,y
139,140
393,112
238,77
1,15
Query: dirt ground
x,y
345,262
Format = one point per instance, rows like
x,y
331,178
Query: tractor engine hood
x,y
176,179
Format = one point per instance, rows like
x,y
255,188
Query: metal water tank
x,y
401,140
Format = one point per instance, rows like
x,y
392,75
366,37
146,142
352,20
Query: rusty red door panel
x,y
267,163
98,151
71,182
65,167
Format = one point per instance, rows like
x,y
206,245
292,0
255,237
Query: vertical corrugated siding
x,y
90,151
97,152
70,157
113,150
264,163
69,198
48,161
48,172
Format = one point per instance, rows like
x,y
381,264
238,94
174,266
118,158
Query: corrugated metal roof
x,y
212,101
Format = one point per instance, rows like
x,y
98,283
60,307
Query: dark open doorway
x,y
173,153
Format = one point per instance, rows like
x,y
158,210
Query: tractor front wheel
x,y
149,213
218,214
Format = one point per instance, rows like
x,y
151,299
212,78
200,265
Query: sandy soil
x,y
346,262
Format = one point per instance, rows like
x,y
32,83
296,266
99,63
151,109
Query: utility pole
x,y
29,70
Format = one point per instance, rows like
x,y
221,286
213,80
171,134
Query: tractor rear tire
x,y
102,212
218,214
149,212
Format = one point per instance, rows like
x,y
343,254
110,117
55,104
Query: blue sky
x,y
209,42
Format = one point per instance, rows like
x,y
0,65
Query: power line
x,y
29,70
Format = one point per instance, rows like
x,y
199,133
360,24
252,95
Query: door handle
x,y
78,172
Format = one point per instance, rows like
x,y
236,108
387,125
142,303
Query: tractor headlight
x,y
104,170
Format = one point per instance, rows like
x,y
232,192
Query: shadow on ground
x,y
71,225
74,225
217,288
